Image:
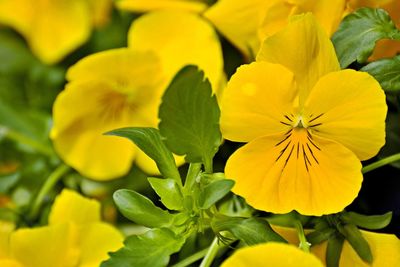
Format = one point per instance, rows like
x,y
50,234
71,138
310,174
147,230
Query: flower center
x,y
298,141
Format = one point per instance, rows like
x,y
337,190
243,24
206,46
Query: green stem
x,y
208,165
380,163
191,259
54,177
211,253
194,169
23,139
304,245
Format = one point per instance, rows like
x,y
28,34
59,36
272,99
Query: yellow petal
x,y
148,165
113,89
17,14
239,21
305,49
272,254
179,38
353,108
96,241
50,246
384,248
6,229
327,12
70,206
295,171
9,263
255,101
150,5
52,29
101,11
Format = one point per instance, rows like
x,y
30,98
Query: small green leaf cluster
x,y
189,126
337,228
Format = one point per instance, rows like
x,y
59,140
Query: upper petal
x,y
327,12
256,101
150,5
304,48
179,38
272,254
70,206
353,108
296,171
238,21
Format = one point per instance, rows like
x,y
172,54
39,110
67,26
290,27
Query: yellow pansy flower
x,y
75,237
150,5
53,29
307,123
384,248
123,88
271,254
384,48
247,23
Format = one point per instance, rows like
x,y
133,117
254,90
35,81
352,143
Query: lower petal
x,y
279,178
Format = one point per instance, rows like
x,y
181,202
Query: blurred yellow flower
x,y
150,5
384,48
53,29
247,23
123,88
307,123
272,254
384,247
75,236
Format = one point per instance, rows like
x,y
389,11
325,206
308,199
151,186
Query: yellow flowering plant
x,y
287,163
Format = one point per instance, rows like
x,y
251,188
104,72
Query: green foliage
x,y
357,241
373,222
334,250
190,117
150,142
169,192
386,72
357,34
152,249
213,192
141,210
251,231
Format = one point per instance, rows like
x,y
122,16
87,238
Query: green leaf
x,y
190,117
8,181
169,192
152,249
140,209
373,222
213,192
386,72
150,142
320,236
357,34
334,250
252,231
357,241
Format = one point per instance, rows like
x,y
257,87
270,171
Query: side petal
x,y
272,254
49,246
6,228
256,101
179,39
304,48
17,14
353,108
96,241
70,206
238,21
9,263
281,173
